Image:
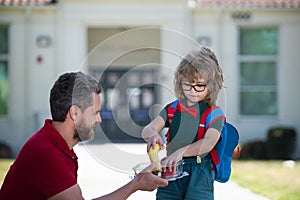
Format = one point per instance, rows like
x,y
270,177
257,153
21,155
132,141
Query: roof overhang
x,y
245,4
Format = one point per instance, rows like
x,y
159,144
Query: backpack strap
x,y
170,113
201,128
209,116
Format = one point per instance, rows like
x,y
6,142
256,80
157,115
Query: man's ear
x,y
73,111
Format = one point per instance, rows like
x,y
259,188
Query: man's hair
x,y
200,64
74,88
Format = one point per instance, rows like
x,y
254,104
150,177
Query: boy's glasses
x,y
197,87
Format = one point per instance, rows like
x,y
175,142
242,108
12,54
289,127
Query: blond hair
x,y
200,64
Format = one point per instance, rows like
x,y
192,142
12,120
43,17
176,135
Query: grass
x,y
268,178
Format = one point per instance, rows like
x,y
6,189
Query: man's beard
x,y
82,132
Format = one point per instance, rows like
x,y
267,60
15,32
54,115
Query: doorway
x,y
129,79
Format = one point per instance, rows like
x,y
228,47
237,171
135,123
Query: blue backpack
x,y
222,153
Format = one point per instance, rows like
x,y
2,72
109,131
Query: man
x,y
46,167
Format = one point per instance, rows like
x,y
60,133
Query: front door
x,y
126,102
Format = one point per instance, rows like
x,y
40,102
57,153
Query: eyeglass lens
x,y
197,88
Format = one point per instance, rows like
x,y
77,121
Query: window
x,y
4,82
258,71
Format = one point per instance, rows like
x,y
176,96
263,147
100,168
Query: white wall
x,y
218,23
77,16
289,79
29,81
12,127
67,23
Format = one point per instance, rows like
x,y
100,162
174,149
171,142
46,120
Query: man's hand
x,y
147,181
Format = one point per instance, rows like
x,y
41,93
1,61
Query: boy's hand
x,y
153,140
172,159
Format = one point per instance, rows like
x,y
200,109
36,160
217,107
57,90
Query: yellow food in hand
x,y
153,155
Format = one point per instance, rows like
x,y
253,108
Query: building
x,y
137,45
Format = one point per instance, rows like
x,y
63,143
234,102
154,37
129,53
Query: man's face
x,y
88,119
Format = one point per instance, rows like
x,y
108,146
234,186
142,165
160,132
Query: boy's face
x,y
194,91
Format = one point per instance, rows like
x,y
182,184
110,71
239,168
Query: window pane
x,y
3,39
258,103
4,88
258,41
258,73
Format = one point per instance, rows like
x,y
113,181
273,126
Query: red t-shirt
x,y
44,167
